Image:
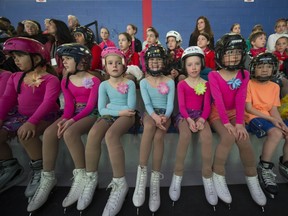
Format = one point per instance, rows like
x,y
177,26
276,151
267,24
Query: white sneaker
x,y
221,188
87,194
255,190
47,183
175,188
154,198
140,188
210,192
117,196
77,187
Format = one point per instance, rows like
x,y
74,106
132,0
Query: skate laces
x,y
255,186
90,184
221,181
177,182
77,177
141,187
269,176
155,183
44,187
284,167
210,186
114,194
36,176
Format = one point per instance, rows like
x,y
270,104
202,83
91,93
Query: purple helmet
x,y
26,45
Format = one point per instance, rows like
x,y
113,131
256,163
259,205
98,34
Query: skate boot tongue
x,y
268,165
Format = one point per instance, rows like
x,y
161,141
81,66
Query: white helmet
x,y
175,34
194,51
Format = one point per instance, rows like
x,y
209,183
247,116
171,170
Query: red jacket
x,y
281,58
209,58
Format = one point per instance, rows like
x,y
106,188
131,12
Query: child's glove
x,y
135,71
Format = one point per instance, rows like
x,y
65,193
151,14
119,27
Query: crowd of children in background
x,y
234,87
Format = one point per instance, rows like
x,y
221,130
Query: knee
x,y
110,137
158,138
275,133
149,127
228,139
69,134
50,132
92,133
186,135
24,142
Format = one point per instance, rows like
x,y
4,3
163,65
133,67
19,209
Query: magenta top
x,y
189,100
86,94
34,102
107,43
4,76
225,98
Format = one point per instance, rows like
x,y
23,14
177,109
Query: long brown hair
x,y
207,28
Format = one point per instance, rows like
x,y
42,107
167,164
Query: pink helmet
x,y
113,51
26,45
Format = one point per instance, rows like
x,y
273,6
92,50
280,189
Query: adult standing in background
x,y
202,25
60,35
136,43
73,22
32,29
280,29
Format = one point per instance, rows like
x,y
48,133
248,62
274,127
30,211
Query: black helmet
x,y
155,51
263,58
2,57
75,50
230,41
87,33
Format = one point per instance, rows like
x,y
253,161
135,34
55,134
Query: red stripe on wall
x,y
146,15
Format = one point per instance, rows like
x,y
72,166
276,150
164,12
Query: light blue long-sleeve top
x,y
154,99
111,101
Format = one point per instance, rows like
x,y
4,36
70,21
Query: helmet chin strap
x,y
155,73
263,79
78,70
33,65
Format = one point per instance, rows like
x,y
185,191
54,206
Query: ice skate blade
x,y
229,206
270,195
263,210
